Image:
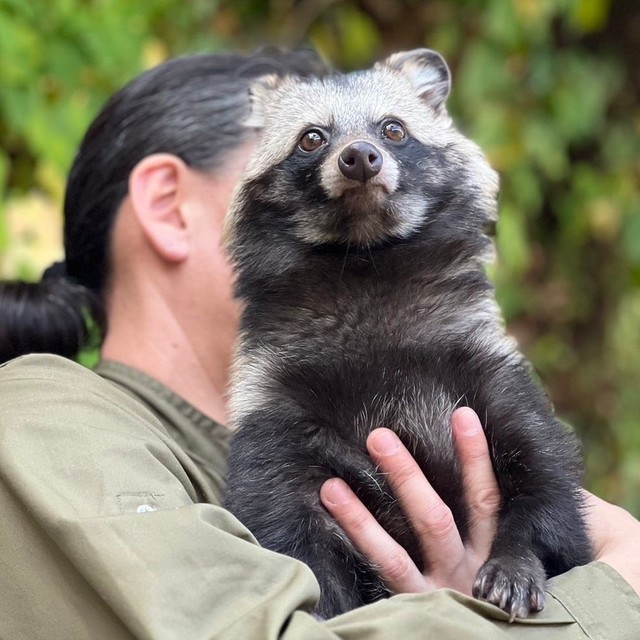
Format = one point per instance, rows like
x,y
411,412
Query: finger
x,y
396,567
429,517
606,523
481,488
596,524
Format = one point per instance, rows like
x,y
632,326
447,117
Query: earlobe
x,y
156,189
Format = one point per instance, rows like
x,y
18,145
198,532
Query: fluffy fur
x,y
366,304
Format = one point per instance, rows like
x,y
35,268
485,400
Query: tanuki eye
x,y
394,131
311,140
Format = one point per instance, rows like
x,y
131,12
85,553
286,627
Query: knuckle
x,y
438,522
401,475
354,520
478,452
486,501
397,566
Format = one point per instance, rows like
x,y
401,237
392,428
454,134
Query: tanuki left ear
x,y
156,189
427,71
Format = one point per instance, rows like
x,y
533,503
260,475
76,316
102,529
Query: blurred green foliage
x,y
547,87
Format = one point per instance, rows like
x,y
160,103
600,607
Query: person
x,y
111,482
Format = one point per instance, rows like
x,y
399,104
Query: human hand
x,y
615,535
451,562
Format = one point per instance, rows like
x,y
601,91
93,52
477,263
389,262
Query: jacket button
x,y
146,508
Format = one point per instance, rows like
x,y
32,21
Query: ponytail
x,y
54,315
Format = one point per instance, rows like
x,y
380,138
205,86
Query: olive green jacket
x,y
111,527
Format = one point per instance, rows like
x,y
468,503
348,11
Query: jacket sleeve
x,y
102,537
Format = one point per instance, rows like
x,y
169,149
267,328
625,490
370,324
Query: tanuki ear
x,y
156,189
260,94
427,71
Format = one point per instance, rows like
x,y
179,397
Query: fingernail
x,y
335,492
467,422
384,443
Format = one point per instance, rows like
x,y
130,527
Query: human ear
x,y
156,190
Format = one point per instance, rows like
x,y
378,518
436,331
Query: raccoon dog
x,y
359,238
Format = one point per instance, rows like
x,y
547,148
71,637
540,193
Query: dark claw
x,y
515,584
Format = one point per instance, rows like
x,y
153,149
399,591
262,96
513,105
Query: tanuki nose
x,y
360,161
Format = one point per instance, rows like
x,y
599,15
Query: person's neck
x,y
188,354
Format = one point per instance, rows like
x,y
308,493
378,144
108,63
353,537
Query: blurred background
x,y
549,88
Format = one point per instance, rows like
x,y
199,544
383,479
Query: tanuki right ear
x,y
260,93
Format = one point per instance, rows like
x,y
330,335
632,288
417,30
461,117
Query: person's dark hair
x,y
191,107
51,316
